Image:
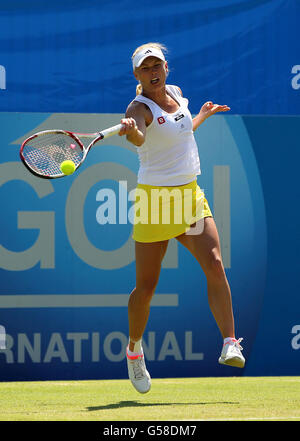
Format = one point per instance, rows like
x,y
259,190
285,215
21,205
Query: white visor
x,y
145,53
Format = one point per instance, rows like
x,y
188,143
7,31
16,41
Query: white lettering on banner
x,y
56,349
118,336
2,337
2,77
75,227
29,349
296,340
170,347
34,351
189,354
296,79
95,346
222,210
77,337
43,250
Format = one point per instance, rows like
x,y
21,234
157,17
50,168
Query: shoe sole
x,y
234,361
141,392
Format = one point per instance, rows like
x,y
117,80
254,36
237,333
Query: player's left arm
x,y
208,109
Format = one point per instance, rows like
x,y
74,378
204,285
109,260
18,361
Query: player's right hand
x,y
129,126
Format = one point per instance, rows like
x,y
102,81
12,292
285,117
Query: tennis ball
x,y
67,167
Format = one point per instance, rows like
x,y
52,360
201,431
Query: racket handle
x,y
111,131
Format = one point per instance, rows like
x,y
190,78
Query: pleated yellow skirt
x,y
162,213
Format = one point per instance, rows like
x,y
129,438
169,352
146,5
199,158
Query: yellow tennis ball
x,y
67,167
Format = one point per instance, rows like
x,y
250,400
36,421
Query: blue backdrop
x,y
74,56
65,276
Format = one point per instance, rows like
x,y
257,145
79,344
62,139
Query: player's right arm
x,y
135,123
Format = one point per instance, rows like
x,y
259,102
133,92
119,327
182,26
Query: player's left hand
x,y
209,108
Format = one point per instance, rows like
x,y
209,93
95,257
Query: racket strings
x,y
45,153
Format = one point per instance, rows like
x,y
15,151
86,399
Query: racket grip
x,y
111,131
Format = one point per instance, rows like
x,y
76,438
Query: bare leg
x,y
205,248
149,257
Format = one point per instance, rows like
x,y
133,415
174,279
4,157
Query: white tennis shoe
x,y
231,354
138,374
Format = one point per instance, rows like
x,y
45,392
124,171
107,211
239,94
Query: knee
x,y
145,290
147,294
214,268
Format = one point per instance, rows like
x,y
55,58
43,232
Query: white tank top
x,y
169,155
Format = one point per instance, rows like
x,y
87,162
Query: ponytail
x,y
139,89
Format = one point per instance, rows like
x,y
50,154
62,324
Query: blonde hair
x,y
144,46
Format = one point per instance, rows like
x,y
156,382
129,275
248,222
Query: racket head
x,y
43,152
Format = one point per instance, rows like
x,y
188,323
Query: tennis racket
x,y
43,152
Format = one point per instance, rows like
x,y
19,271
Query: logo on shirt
x,y
161,120
179,116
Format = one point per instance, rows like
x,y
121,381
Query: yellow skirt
x,y
161,213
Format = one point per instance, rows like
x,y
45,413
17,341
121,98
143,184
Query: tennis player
x,y
159,123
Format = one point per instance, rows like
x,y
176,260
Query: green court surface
x,y
173,399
